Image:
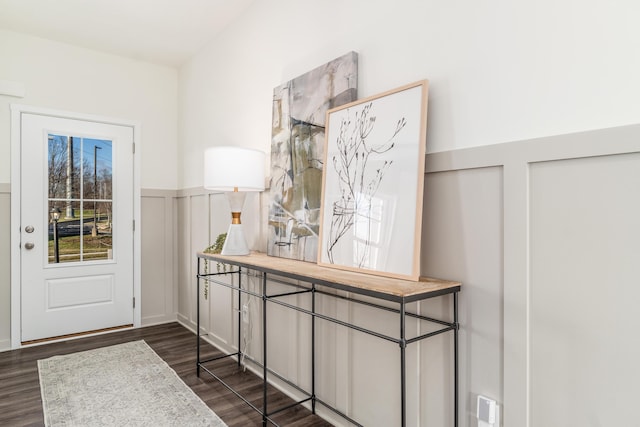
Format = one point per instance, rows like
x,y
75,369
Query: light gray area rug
x,y
121,385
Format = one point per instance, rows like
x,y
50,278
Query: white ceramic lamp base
x,y
235,243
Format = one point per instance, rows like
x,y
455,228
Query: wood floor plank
x,y
21,404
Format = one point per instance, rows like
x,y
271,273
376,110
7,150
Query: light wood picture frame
x,y
373,182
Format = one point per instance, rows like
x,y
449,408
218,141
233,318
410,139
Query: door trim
x,y
17,110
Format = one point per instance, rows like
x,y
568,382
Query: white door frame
x,y
16,116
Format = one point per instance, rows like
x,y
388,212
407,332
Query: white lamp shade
x,y
227,168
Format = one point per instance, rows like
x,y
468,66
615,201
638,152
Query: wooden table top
x,y
362,283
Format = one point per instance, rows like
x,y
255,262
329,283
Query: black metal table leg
x,y
198,319
313,348
240,315
455,358
403,367
264,349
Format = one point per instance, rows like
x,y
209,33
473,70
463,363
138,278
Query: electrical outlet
x,y
245,313
487,412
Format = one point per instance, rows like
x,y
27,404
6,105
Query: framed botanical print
x,y
373,181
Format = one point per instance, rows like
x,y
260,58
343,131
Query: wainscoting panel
x,y
329,351
463,240
374,377
5,266
159,270
186,303
199,240
222,326
584,293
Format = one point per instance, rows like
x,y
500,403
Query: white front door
x,y
76,226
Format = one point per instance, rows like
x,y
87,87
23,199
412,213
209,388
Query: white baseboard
x,y
158,320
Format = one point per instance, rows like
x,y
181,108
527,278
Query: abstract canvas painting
x,y
373,182
297,154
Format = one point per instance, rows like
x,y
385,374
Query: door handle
x,y
29,229
29,245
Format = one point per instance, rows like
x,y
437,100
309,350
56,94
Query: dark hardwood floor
x,y
20,403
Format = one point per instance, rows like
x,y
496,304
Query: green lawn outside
x,y
93,248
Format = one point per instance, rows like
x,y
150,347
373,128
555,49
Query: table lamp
x,y
235,171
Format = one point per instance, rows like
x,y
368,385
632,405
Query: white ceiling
x,y
165,32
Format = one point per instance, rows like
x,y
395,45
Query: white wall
x,y
500,71
64,77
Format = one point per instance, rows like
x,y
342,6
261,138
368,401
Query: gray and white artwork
x,y
297,154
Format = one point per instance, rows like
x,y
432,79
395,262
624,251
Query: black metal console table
x,y
324,281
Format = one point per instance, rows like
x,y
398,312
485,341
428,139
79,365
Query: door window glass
x,y
80,200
